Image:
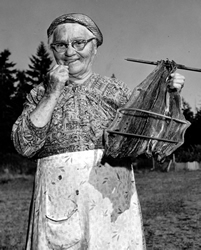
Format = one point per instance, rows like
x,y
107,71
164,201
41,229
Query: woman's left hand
x,y
176,82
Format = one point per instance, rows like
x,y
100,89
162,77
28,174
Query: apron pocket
x,y
63,233
60,193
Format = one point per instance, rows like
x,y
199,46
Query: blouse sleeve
x,y
27,138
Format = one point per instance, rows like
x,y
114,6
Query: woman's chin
x,y
73,70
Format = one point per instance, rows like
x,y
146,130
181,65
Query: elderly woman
x,y
80,201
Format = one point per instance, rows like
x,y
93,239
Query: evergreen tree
x,y
189,115
22,89
190,150
40,65
196,125
7,81
7,90
187,111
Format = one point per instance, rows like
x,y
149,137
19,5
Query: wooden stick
x,y
179,66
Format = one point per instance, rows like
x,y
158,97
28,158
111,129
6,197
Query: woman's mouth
x,y
71,62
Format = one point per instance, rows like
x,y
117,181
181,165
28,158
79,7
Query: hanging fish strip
x,y
151,122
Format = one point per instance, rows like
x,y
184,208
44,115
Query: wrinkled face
x,y
79,62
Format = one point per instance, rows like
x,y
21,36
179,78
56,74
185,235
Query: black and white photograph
x,y
100,117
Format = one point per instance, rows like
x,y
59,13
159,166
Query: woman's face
x,y
79,62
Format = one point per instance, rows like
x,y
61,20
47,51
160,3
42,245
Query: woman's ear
x,y
95,47
95,50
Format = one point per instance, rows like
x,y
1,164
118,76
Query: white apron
x,y
80,203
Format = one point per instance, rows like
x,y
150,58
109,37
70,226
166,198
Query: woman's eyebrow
x,y
65,41
79,38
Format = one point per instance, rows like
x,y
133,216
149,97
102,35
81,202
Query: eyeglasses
x,y
77,45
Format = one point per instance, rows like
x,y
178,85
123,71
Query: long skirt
x,y
81,202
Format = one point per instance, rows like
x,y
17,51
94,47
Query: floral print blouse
x,y
78,121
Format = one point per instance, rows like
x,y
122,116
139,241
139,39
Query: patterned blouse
x,y
78,121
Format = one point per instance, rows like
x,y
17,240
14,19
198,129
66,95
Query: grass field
x,y
171,208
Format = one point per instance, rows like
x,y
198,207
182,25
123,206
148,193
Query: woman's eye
x,y
60,45
79,42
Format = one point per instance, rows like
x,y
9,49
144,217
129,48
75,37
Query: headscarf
x,y
77,18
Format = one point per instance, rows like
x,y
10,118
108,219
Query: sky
x,y
142,29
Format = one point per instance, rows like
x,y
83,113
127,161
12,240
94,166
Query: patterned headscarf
x,y
77,18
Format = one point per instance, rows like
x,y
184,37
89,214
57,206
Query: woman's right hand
x,y
58,76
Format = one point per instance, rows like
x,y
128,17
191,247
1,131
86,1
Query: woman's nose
x,y
70,50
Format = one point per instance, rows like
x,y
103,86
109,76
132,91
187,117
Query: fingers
x,y
59,67
58,77
62,69
176,81
55,66
59,71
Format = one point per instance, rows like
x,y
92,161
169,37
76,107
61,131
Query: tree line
x,y
16,84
